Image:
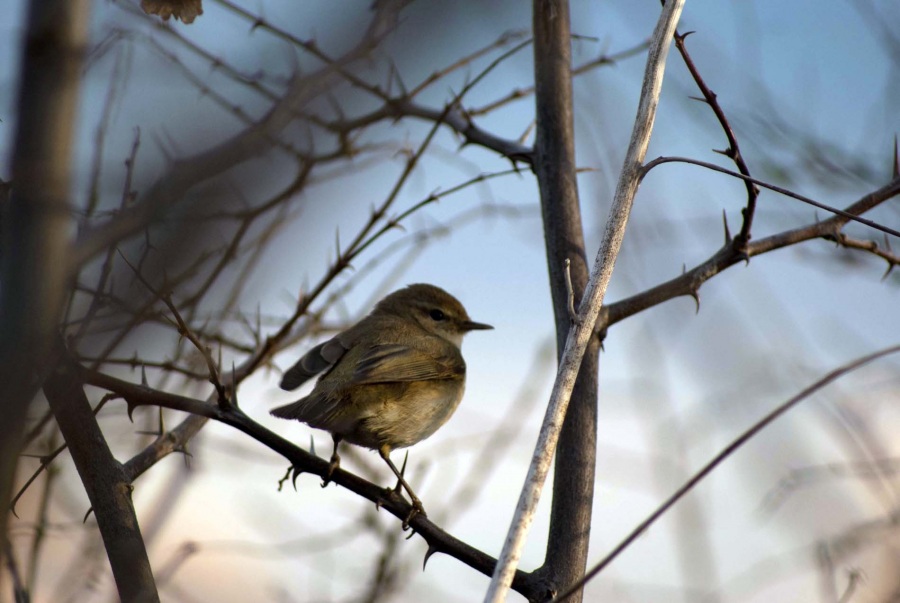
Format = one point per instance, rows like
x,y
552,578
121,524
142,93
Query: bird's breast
x,y
417,413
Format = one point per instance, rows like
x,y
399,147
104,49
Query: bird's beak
x,y
470,325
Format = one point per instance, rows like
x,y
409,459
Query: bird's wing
x,y
315,361
391,363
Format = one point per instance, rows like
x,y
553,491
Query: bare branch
x,y
250,142
105,482
719,458
185,331
778,189
733,151
590,304
303,462
689,282
35,221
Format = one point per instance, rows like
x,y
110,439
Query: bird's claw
x,y
415,509
333,465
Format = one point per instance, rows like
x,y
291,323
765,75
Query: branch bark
x,y
690,281
35,219
302,461
588,310
105,482
555,167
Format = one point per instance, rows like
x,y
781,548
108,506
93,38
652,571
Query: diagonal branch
x,y
105,481
846,215
186,173
303,462
689,282
719,458
588,310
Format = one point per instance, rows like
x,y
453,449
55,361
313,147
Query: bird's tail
x,y
294,410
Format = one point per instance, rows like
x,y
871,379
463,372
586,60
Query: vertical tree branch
x,y
573,484
582,331
105,481
34,219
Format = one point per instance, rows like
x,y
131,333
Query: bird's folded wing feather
x,y
321,357
391,363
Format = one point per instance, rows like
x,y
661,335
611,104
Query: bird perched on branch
x,y
390,380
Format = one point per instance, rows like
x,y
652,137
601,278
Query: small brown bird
x,y
390,380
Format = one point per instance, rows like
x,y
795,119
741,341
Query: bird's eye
x,y
437,315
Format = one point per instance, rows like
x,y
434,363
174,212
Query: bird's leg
x,y
335,461
385,452
399,485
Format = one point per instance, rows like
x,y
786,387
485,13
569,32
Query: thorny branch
x,y
690,281
186,173
304,462
733,151
455,117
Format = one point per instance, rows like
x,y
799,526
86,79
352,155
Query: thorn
x,y
403,90
570,292
144,381
312,446
887,244
727,231
697,98
683,268
412,532
431,551
88,514
403,466
696,296
295,473
726,152
887,272
183,449
130,407
896,170
337,241
234,396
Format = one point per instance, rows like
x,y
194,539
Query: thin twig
x,y
849,216
717,460
185,331
733,151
